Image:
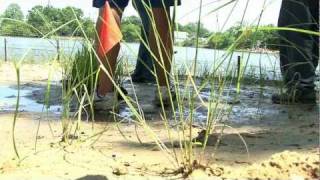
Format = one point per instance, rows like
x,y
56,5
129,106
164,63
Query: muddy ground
x,y
282,141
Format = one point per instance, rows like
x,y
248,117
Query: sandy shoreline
x,y
281,146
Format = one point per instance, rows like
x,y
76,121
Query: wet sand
x,y
283,141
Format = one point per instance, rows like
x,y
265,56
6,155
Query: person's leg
x,y
161,38
296,50
144,66
105,84
315,27
161,43
145,61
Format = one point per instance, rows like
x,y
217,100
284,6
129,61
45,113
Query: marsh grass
x,y
17,68
80,81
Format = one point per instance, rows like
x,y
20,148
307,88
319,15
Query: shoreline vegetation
x,y
15,23
254,50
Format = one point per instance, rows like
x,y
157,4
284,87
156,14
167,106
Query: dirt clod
x,y
120,171
276,165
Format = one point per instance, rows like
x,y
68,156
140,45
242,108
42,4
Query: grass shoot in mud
x,y
17,68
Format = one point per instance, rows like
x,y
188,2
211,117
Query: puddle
x,y
253,107
8,99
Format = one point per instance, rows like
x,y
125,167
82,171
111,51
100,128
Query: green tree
x,y
192,28
132,20
88,27
39,17
253,38
13,22
13,11
220,40
130,28
48,19
70,14
268,39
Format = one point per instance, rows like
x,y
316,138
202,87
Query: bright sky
x,y
187,12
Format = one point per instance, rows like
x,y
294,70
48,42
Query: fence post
x,y
238,67
238,76
58,50
5,50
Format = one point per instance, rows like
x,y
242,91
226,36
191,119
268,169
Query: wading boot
x,y
296,97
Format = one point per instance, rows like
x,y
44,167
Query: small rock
x,y
233,101
40,137
148,108
155,148
274,164
126,164
119,171
217,171
72,137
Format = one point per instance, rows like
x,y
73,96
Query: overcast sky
x,y
187,12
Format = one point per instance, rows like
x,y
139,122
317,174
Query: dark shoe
x,y
294,97
140,79
125,92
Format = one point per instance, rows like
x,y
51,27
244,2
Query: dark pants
x,y
145,61
299,52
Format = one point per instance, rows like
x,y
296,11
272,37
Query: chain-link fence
x,y
36,49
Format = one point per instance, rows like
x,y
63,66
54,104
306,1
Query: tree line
x,y
48,20
252,38
45,20
267,39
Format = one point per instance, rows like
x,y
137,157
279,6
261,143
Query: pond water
x,y
254,104
39,49
8,99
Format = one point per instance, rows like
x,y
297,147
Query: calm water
x,y
45,49
8,100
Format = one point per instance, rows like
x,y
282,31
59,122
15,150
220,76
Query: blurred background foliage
x,y
46,18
